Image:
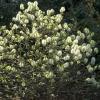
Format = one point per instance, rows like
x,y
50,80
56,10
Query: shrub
x,y
40,54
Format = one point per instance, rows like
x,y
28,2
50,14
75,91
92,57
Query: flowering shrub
x,y
40,53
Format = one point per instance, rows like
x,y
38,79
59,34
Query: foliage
x,y
40,54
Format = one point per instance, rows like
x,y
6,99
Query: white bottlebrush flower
x,y
21,37
48,39
58,18
59,26
51,61
35,3
50,12
44,42
65,25
13,51
92,43
50,50
48,74
14,27
73,37
62,9
78,37
82,35
1,38
66,65
57,58
75,41
26,21
22,6
77,52
86,30
76,58
67,57
88,80
96,50
90,69
45,58
85,60
72,51
21,64
71,63
67,48
93,60
59,53
33,63
83,48
2,43
1,48
69,40
79,56
88,54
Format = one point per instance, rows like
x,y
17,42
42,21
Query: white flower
x,y
21,6
76,58
85,60
86,30
51,50
33,63
66,65
88,80
71,63
79,56
73,37
78,37
2,43
35,3
48,39
26,21
1,38
88,54
51,61
72,51
93,60
45,58
59,26
75,41
65,25
96,50
21,64
67,48
48,74
1,48
58,18
13,50
77,52
67,57
62,9
50,12
14,27
83,49
69,40
44,42
90,69
92,43
57,58
59,53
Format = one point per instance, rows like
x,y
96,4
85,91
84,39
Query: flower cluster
x,y
42,47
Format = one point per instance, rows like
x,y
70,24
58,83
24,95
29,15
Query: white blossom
x,y
93,60
62,9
